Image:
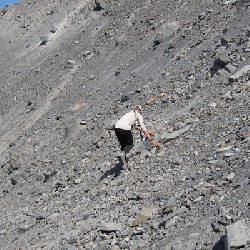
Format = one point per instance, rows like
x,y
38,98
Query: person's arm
x,y
147,133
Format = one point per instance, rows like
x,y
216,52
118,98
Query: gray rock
x,y
165,31
45,38
72,241
171,201
239,74
111,227
228,2
127,96
92,77
177,160
115,247
26,227
144,215
248,43
15,161
78,180
216,227
230,68
237,235
166,137
225,40
18,178
74,129
222,57
70,62
54,28
230,176
179,211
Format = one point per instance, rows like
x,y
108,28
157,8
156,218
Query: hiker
x,y
123,131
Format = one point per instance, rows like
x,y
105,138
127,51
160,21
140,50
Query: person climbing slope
x,y
124,135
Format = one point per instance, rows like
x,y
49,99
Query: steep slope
x,y
69,71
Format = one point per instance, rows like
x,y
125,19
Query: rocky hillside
x,y
70,69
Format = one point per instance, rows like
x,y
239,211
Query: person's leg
x,y
120,136
126,141
129,144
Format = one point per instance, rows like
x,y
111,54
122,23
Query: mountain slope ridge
x,y
68,72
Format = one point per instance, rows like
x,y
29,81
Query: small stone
x,y
25,228
111,227
229,154
70,62
115,248
227,95
215,227
198,199
82,122
223,222
222,149
73,129
196,153
72,241
177,160
77,181
209,191
174,213
187,203
127,96
248,43
229,2
40,217
151,101
15,162
230,176
54,29
144,215
88,52
44,39
165,31
225,40
212,105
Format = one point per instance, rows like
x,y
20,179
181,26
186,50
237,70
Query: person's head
x,y
138,108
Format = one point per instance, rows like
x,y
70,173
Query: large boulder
x,y
165,31
237,235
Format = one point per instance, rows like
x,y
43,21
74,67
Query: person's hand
x,y
155,143
151,132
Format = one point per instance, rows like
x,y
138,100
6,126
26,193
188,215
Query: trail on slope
x,y
26,122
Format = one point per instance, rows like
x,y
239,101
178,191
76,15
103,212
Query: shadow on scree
x,y
115,171
220,244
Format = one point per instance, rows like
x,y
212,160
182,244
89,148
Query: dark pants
x,y
125,138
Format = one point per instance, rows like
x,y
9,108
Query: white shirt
x,y
129,119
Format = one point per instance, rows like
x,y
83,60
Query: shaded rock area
x,y
70,69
